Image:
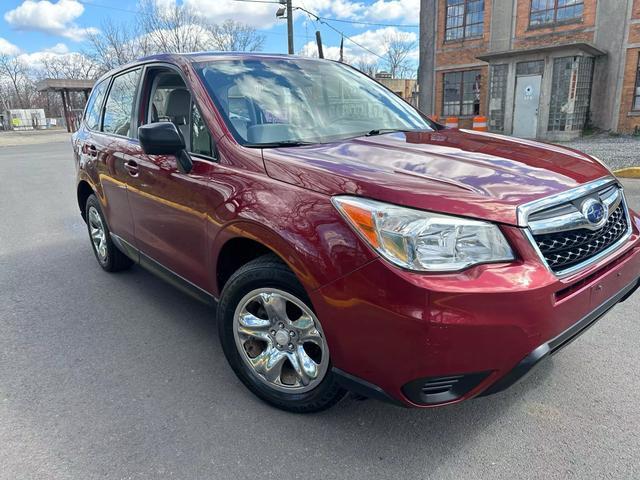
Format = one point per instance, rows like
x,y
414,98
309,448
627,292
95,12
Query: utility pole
x,y
319,42
290,26
426,67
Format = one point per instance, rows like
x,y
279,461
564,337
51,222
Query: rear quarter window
x,y
94,105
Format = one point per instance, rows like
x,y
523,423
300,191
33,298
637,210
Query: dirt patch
x,y
33,137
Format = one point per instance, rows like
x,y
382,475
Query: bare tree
x,y
13,69
232,36
368,67
174,28
117,44
69,65
5,94
167,29
397,56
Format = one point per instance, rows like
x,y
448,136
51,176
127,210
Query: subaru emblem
x,y
595,212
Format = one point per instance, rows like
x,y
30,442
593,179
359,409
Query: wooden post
x,y
64,107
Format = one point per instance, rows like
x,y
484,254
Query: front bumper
x,y
562,340
406,337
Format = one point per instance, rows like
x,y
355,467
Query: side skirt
x,y
163,272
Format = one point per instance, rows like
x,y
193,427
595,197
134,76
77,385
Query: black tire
x,y
113,260
270,272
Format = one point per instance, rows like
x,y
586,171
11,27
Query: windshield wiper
x,y
281,143
380,131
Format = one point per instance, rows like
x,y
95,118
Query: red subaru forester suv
x,y
349,242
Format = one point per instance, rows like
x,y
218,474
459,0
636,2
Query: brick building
x,y
539,68
403,87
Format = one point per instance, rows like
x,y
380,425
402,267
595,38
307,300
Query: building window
x,y
549,12
636,91
461,94
465,19
497,97
570,93
535,67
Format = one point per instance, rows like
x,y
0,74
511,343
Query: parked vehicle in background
x,y
349,242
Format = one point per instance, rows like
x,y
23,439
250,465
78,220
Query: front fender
x,y
315,243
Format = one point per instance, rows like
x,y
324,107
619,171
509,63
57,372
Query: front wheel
x,y
273,339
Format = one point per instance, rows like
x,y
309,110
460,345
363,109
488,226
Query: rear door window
x,y
94,105
119,106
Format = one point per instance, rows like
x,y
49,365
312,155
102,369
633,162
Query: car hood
x,y
461,172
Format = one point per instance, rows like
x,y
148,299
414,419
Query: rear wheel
x,y
109,257
273,339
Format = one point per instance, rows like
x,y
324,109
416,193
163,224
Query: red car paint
x,y
384,326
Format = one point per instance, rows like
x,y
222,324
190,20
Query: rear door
x,y
115,144
88,134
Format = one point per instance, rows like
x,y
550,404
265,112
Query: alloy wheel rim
x,y
98,234
281,341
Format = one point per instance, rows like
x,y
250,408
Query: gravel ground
x,y
616,152
122,377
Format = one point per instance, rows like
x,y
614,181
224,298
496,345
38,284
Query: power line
x,y
311,14
138,12
322,20
357,22
259,1
329,19
107,7
270,2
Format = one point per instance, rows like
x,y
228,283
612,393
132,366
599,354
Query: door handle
x,y
90,149
132,167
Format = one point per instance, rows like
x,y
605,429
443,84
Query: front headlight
x,y
424,241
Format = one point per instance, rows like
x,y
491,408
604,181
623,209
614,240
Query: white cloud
x,y
8,48
258,15
262,15
53,18
61,63
374,40
58,48
383,11
394,10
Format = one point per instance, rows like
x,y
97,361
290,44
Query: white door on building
x,y
527,99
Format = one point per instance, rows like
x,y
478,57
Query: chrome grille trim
x,y
527,209
610,193
575,220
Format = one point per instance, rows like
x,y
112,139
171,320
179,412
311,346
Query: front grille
x,y
563,250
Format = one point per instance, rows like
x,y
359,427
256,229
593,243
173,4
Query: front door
x,y
171,208
527,99
170,213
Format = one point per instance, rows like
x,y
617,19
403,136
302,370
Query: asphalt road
x,y
121,376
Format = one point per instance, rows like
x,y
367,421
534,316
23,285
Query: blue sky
x,y
31,27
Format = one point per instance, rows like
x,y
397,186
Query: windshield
x,y
296,101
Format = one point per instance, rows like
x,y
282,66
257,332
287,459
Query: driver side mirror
x,y
163,138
